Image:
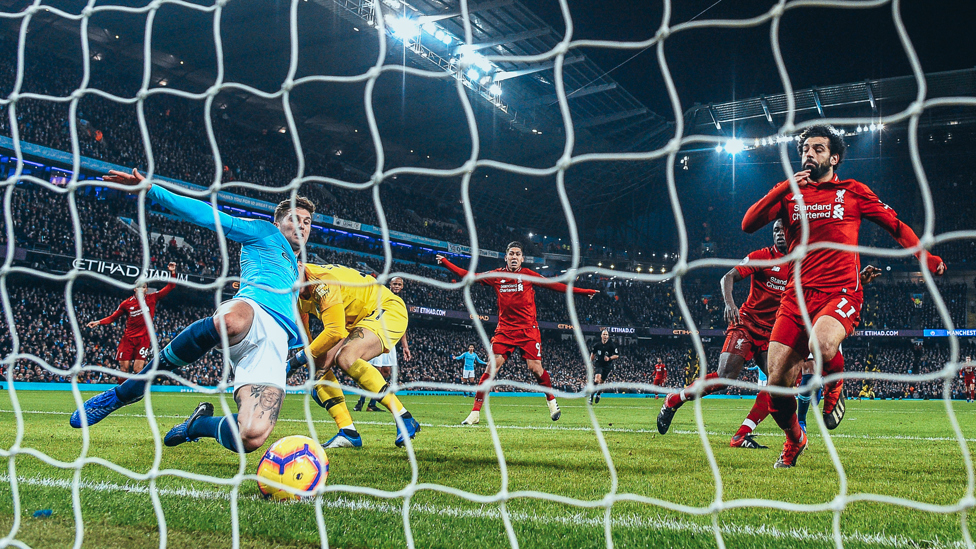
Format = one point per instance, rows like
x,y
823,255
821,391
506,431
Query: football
x,y
295,461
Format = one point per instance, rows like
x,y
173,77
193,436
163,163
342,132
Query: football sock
x,y
331,398
545,381
758,413
834,365
362,400
675,400
369,378
372,403
783,410
803,401
215,427
335,402
479,397
192,343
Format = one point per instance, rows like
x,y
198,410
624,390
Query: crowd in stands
x,y
109,131
44,330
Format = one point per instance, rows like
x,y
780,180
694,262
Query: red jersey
x,y
766,290
834,210
968,374
660,371
516,296
135,324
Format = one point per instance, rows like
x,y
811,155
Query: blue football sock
x,y
372,403
362,400
192,343
803,400
215,427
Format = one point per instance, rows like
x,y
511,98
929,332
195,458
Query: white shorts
x,y
465,374
388,359
259,358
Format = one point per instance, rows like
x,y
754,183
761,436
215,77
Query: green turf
x,y
900,449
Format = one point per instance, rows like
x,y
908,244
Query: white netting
x,y
568,159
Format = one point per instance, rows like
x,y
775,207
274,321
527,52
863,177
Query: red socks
x,y
783,410
834,365
675,400
479,397
545,381
758,413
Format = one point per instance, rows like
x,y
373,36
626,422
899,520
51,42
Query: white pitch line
x,y
628,520
812,434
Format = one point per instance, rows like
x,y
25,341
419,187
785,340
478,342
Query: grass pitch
x,y
898,449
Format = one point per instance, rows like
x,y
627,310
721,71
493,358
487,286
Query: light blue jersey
x,y
469,360
759,374
267,261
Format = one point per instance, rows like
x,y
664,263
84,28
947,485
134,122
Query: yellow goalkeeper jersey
x,y
359,293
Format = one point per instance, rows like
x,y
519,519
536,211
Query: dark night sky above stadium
x,y
820,46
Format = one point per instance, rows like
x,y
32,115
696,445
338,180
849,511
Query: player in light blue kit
x,y
470,358
260,323
761,378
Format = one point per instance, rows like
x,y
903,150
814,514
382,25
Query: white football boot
x,y
554,411
473,418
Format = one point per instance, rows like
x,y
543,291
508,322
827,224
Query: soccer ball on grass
x,y
295,461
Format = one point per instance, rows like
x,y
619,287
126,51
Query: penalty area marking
x,y
625,520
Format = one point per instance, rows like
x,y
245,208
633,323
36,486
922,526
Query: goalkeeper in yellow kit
x,y
361,320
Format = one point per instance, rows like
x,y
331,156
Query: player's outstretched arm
x,y
109,319
165,290
770,206
196,211
441,260
728,280
881,214
560,287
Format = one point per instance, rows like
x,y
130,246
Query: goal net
x,y
83,112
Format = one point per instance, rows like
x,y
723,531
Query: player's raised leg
x,y
258,356
189,345
830,333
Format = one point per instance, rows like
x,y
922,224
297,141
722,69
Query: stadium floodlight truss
x,y
503,29
897,91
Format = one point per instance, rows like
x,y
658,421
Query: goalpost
x,y
390,31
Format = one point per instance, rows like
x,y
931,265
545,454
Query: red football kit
x,y
968,375
135,343
517,325
660,374
758,314
830,278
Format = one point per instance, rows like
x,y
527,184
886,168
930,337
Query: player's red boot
x,y
791,451
833,403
